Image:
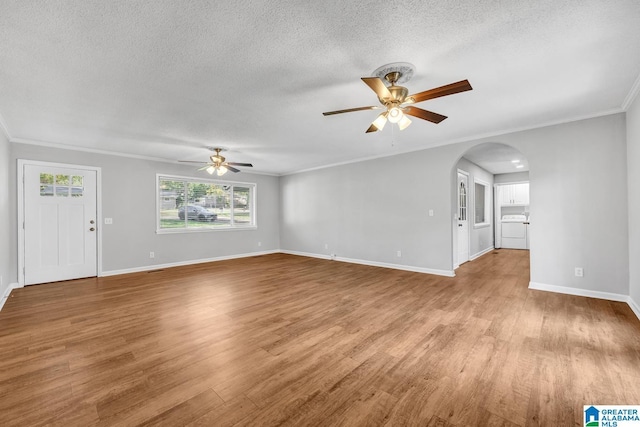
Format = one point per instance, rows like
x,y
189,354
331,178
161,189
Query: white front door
x,y
463,221
60,222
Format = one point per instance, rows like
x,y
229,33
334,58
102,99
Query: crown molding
x,y
631,96
477,137
5,129
59,146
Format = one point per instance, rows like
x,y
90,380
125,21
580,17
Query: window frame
x,y
253,189
487,203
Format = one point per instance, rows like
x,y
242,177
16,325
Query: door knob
x,y
92,222
92,229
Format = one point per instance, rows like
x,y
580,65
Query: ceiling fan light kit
x,y
404,122
395,99
380,121
395,114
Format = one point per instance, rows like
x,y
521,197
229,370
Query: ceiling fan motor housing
x,y
398,95
217,159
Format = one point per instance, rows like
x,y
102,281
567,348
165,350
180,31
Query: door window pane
x,y
46,190
46,178
462,203
46,184
76,186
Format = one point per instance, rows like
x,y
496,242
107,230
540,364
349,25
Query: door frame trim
x,y
457,263
20,179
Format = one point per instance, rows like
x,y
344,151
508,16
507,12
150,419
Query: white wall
x,y
633,170
578,195
505,178
370,210
7,268
578,177
480,239
129,197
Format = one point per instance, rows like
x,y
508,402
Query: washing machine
x,y
514,232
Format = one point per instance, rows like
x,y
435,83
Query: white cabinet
x,y
515,195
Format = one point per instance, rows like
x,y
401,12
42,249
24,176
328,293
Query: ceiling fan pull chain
x,y
393,136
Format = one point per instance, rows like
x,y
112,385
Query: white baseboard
x,y
183,263
447,273
7,292
479,254
635,307
588,293
578,292
306,254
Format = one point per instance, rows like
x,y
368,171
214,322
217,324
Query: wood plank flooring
x,y
288,340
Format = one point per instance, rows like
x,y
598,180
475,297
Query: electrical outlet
x,y
152,254
430,212
399,253
579,272
326,246
259,244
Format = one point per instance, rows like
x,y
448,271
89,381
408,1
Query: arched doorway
x,y
492,203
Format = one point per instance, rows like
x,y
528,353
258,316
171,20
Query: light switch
x,y
108,221
430,212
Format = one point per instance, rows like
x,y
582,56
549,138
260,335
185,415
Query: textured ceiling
x,y
165,79
498,158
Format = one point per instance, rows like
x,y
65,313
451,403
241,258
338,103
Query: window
x,y
482,203
187,204
61,185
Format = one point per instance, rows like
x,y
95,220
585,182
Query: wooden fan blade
x,y
424,114
450,89
231,168
372,128
378,87
190,161
350,110
247,165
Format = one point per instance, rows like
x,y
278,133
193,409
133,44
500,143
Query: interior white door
x,y
463,220
60,224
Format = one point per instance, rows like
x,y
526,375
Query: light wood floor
x,y
296,341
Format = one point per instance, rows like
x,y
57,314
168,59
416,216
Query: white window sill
x,y
204,230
